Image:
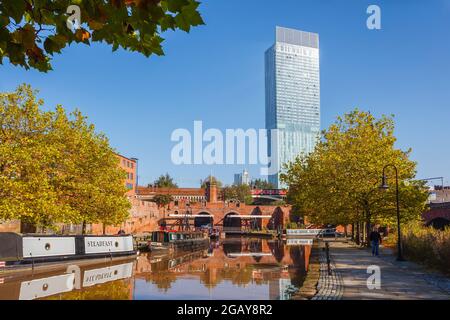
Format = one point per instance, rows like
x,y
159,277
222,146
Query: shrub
x,y
291,225
426,246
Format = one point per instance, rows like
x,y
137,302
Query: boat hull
x,y
16,249
179,245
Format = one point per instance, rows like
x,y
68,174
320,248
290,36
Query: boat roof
x,y
176,231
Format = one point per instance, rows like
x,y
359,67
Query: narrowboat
x,y
177,240
33,249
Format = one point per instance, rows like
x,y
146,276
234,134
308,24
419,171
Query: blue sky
x,y
216,74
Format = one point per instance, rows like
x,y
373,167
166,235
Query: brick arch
x,y
206,211
231,223
436,213
200,221
439,223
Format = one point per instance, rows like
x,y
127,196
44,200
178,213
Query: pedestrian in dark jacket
x,y
375,239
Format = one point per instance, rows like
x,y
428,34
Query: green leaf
x,y
15,9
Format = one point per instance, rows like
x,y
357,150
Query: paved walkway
x,y
399,280
330,286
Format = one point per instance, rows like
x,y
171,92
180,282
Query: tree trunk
x,y
368,228
363,235
358,233
104,229
353,232
83,228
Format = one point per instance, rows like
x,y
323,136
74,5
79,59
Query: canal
x,y
231,269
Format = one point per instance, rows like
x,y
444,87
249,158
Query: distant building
x,y
242,178
292,80
130,167
178,194
438,194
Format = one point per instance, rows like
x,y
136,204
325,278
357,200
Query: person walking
x,y
375,239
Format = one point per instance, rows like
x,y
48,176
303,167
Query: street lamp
x,y
385,186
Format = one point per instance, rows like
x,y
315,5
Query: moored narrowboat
x,y
177,240
33,249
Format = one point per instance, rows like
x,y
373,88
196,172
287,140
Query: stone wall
x,y
144,216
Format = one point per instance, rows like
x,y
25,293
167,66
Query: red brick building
x,y
129,165
208,203
145,215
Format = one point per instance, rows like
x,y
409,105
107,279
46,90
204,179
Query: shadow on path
x,y
399,280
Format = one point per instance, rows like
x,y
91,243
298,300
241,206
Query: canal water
x,y
230,269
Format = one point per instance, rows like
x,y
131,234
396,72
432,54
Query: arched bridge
x,y
438,215
231,217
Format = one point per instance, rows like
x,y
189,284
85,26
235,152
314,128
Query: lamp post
x,y
385,186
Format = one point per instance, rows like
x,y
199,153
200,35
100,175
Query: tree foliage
x,y
165,181
31,31
339,182
262,184
162,200
54,167
238,192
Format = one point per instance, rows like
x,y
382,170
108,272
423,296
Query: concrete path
x,y
399,280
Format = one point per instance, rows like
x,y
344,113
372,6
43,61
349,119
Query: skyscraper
x,y
292,96
242,178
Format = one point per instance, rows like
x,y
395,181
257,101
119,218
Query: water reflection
x,y
91,281
230,269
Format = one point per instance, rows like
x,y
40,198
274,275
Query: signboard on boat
x,y
303,232
108,244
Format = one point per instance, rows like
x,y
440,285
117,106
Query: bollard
x,y
327,249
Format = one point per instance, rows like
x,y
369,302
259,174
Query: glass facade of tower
x,y
292,96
